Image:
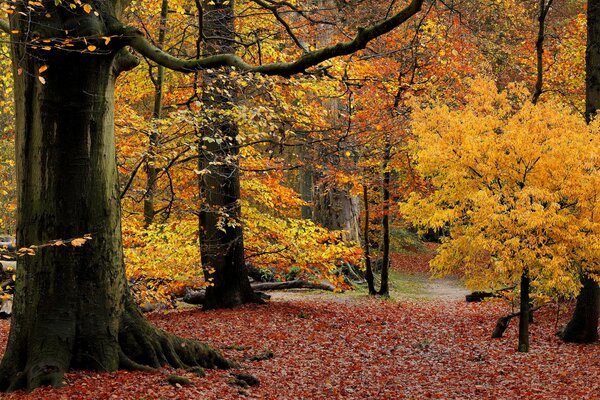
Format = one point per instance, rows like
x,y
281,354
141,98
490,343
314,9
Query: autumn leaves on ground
x,y
314,345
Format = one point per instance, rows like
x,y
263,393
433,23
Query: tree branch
x,y
137,41
4,26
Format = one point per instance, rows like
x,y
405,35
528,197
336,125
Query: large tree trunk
x,y
72,308
221,232
336,209
583,327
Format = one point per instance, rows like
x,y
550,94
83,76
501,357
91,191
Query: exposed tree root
x,y
141,347
146,346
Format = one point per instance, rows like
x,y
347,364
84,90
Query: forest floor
x,y
425,342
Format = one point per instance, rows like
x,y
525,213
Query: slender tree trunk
x,y
151,170
72,308
384,289
221,232
524,315
583,327
369,270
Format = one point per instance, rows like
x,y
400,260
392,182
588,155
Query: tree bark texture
x,y
72,308
384,289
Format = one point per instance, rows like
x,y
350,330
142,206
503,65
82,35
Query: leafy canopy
x,y
517,186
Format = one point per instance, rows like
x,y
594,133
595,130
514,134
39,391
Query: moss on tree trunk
x,y
72,308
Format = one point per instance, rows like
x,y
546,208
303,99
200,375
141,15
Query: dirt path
x,y
403,286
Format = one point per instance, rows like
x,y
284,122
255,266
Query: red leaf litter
x,y
336,347
414,262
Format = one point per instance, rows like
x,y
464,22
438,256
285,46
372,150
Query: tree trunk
x,y
336,209
306,192
72,308
384,289
583,327
221,232
524,314
369,270
151,170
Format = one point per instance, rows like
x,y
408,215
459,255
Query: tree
x,y
221,232
583,326
516,186
72,306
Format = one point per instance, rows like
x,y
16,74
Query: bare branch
x,y
137,41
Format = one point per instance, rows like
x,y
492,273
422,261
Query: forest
x,y
282,199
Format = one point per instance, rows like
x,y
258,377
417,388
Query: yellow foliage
x,y
516,185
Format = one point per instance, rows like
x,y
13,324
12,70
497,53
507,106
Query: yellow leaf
x,y
91,47
42,68
78,242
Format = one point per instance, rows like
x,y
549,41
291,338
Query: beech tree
x,y
72,307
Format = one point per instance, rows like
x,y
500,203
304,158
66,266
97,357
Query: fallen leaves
x,y
358,349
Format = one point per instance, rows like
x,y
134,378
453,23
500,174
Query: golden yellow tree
x,y
517,187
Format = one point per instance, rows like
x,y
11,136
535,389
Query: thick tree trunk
x,y
524,314
221,232
336,209
369,270
72,308
583,327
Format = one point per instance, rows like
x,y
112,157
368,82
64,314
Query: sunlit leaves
x,y
516,186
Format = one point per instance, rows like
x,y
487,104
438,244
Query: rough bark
x,y
72,308
221,233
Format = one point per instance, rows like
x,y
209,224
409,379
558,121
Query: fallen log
x,y
480,296
197,296
295,284
502,323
